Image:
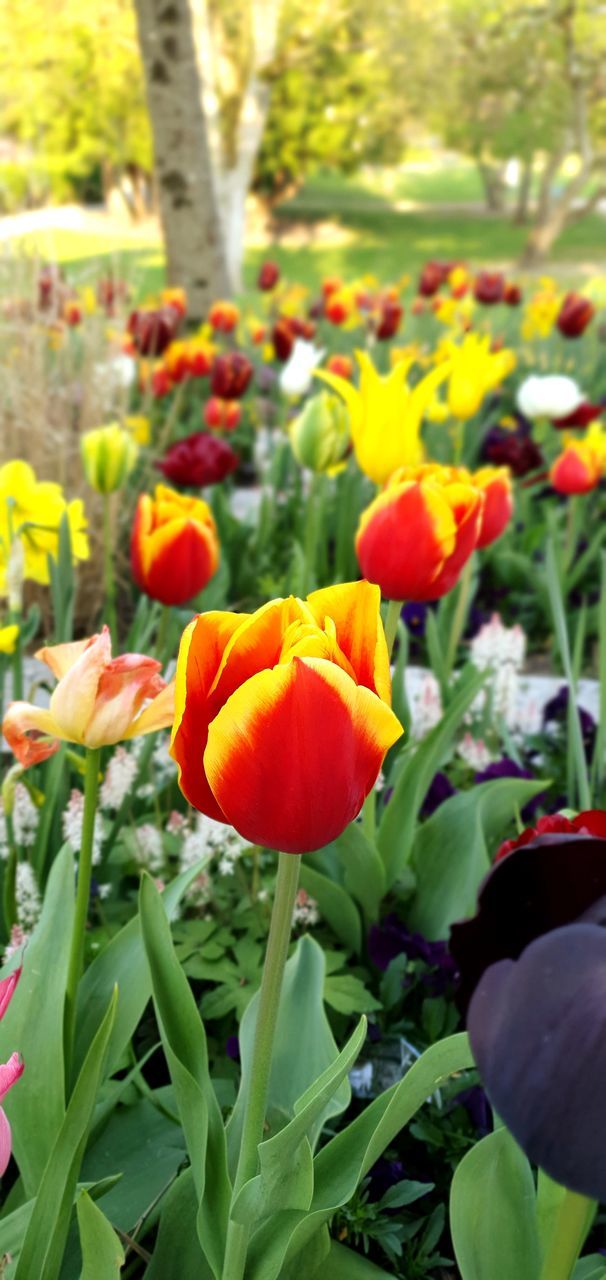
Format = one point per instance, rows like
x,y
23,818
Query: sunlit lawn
x,y
380,238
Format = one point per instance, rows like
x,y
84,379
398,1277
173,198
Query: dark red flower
x,y
512,448
389,318
268,277
198,460
580,417
576,313
489,287
230,375
152,331
591,822
512,295
432,277
284,332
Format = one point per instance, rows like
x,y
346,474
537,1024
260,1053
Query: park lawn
x,y
373,237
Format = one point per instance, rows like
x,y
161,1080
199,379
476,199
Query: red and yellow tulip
x,y
495,484
174,545
98,701
283,716
415,537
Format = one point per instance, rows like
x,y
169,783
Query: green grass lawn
x,y
384,240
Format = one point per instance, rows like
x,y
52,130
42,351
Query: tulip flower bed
x,y
302,878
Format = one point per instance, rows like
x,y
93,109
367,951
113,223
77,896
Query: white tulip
x,y
296,376
550,396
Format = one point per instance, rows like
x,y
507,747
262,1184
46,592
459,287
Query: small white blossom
x,y
150,850
119,777
426,708
474,752
500,650
18,940
305,913
25,817
177,822
27,896
71,822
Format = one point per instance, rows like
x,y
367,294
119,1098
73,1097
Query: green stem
x,y
460,615
392,617
15,616
260,1067
570,539
85,862
369,815
164,635
313,528
571,1226
108,568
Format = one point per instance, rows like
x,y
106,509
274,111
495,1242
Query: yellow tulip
x,y
474,371
385,414
108,456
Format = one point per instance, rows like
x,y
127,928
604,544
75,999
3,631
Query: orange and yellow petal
x,y
73,701
22,720
293,753
354,609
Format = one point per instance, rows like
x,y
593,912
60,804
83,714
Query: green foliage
x,y
102,1253
492,1212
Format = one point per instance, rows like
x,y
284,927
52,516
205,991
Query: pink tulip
x,y
98,701
9,1071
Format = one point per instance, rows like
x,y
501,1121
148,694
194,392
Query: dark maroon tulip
x,y
581,416
198,460
512,448
512,295
268,277
576,313
230,375
389,318
153,330
532,965
489,287
432,277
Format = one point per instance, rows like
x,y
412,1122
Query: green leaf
x,y
590,1268
343,1264
363,870
34,1026
304,1048
453,851
177,1251
184,1041
285,1180
335,906
347,994
122,962
102,1253
342,1163
492,1212
146,1148
46,1234
401,814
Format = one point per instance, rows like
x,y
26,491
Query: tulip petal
x,y
404,539
538,1033
294,751
73,702
61,657
158,715
7,990
354,609
6,1142
124,685
9,1073
23,718
202,647
255,645
187,545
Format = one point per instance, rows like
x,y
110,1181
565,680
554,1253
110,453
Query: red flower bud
x,y
512,295
433,275
230,375
489,287
389,319
268,277
222,415
575,314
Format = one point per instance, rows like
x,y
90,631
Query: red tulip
x,y
433,276
495,484
389,318
489,287
513,295
268,277
575,314
223,316
222,414
153,330
174,546
198,460
230,375
580,417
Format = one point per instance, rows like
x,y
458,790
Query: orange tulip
x,y
415,537
495,483
283,716
174,546
98,701
577,469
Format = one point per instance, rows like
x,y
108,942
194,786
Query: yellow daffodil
x,y
385,414
30,515
474,371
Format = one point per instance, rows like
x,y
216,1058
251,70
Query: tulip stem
x,y
85,862
572,1223
108,565
260,1066
460,616
392,617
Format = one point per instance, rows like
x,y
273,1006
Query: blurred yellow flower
x,y
8,638
30,515
139,427
542,310
88,299
475,370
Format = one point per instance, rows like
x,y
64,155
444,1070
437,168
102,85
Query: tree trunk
x,y
195,256
494,186
542,237
524,192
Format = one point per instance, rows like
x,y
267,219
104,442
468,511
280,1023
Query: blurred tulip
x,y
474,371
495,484
153,329
175,297
230,375
331,284
320,434
174,546
512,447
283,717
584,414
97,702
415,537
385,414
296,376
222,415
108,457
223,316
342,366
433,276
513,295
389,318
198,460
577,469
489,287
31,511
548,396
268,277
576,313
8,638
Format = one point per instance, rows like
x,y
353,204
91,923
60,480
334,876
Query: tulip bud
x,y
341,365
222,414
489,287
152,330
389,318
433,276
268,277
575,314
174,546
108,456
230,375
575,470
512,296
223,316
319,435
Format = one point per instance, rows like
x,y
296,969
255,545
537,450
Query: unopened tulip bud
x,y
108,456
320,434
